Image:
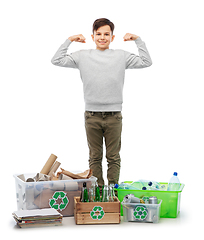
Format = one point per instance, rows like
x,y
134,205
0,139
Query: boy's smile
x,y
103,37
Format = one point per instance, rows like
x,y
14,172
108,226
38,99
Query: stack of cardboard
x,y
38,217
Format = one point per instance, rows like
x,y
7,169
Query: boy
x,y
102,72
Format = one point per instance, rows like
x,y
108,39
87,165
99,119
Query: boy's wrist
x,y
67,43
138,38
135,37
70,39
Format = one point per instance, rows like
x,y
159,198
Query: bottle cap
x,y
84,184
116,185
175,174
144,188
150,183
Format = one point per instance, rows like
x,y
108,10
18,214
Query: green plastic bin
x,y
170,206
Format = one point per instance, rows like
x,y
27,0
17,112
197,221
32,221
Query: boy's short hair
x,y
102,22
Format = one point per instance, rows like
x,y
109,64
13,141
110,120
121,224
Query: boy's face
x,y
103,37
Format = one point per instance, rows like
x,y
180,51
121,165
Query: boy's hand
x,y
130,37
77,38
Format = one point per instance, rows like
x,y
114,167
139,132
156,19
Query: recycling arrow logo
x,y
140,212
94,213
59,195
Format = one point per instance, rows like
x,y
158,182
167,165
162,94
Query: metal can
x,y
130,198
127,198
152,200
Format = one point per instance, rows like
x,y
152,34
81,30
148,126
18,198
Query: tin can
x,y
127,198
130,198
152,200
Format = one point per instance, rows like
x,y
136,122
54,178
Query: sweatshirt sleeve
x,y
62,59
141,61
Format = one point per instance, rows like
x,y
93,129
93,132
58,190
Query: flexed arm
x,y
133,60
130,37
62,59
77,38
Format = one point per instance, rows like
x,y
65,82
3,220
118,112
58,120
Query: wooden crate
x,y
96,212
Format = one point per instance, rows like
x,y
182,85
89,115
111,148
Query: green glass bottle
x,y
85,195
97,194
102,193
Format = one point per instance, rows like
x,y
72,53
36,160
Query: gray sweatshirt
x,y
102,73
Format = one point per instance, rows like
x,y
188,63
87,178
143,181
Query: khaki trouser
x,y
107,125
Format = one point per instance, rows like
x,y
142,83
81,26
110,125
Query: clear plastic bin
x,y
56,194
138,212
171,200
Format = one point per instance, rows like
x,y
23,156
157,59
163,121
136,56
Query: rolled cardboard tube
x,y
30,180
48,164
70,186
64,177
41,177
64,185
54,168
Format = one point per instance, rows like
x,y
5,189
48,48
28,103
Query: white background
x,y
42,105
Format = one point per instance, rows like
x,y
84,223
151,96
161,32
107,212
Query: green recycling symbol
x,y
95,216
140,212
58,195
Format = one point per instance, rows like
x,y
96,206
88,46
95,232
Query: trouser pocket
x,y
118,116
87,115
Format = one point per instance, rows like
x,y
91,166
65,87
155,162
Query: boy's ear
x,y
113,37
92,37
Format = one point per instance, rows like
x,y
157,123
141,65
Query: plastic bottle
x,y
143,184
156,186
174,183
150,185
125,186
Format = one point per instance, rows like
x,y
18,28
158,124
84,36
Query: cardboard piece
x,y
84,175
22,177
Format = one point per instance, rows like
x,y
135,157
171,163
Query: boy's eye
x,y
107,34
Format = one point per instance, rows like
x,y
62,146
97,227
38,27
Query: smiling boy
x,y
102,72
